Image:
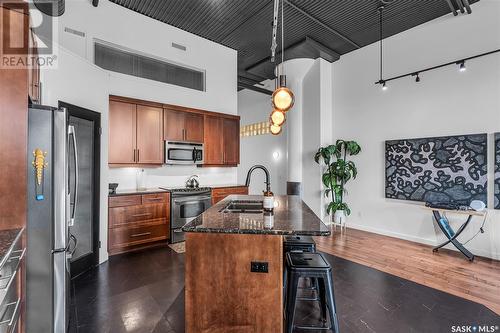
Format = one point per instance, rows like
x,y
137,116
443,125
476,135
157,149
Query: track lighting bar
x,y
460,63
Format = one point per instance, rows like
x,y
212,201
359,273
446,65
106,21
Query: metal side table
x,y
449,232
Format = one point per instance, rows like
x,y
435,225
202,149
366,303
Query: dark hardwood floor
x,y
446,270
144,292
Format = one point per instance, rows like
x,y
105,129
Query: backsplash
x,y
171,176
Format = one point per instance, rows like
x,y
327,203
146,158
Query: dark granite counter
x,y
291,216
226,185
135,191
7,239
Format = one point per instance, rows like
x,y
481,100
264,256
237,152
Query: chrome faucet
x,y
268,181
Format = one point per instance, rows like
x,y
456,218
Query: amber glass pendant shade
x,y
278,117
275,129
283,99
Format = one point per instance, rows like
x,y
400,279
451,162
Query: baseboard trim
x,y
478,252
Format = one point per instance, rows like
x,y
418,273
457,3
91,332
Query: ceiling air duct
x,y
50,7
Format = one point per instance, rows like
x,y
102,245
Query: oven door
x,y
187,208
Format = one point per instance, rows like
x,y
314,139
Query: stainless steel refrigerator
x,y
51,211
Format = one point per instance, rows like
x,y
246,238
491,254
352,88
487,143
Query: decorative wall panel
x,y
497,171
444,169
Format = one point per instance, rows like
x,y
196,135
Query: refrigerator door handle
x,y
72,134
72,251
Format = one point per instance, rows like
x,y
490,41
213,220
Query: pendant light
x,y
282,98
275,129
381,21
277,117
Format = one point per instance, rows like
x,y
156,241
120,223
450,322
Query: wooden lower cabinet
x,y
125,237
222,295
221,192
138,221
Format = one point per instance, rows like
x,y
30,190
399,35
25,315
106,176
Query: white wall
x,y
445,102
254,107
317,131
78,81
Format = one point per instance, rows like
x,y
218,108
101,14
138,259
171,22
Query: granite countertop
x,y
161,190
291,216
7,239
225,185
137,191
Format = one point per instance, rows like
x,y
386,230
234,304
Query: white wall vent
x,y
179,46
129,62
74,32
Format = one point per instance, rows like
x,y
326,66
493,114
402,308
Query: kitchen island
x,y
234,263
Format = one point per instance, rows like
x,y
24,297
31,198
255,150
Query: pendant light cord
x,y
381,9
282,37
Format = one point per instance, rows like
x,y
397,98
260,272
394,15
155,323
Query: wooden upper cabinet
x,y
213,148
222,141
173,125
149,135
122,133
193,127
183,126
231,138
138,128
34,71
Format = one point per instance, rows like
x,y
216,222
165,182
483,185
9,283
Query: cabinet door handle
x,y
141,234
143,214
138,151
134,156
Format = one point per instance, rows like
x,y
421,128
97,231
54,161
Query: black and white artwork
x,y
440,169
497,170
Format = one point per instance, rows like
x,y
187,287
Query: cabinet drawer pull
x,y
155,199
143,214
141,234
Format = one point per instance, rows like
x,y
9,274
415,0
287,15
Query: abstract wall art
x,y
439,169
497,170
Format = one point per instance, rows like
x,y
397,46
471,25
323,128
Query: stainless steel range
x,y
186,204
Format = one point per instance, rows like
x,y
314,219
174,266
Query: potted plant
x,y
338,171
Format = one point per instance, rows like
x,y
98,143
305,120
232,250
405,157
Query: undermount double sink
x,y
244,206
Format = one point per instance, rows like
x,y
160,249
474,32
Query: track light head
x,y
384,87
462,67
417,79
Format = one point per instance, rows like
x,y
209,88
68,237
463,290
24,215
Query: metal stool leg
x,y
331,302
293,281
322,297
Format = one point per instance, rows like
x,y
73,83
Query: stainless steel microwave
x,y
183,153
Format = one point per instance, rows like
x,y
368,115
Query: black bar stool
x,y
297,243
313,266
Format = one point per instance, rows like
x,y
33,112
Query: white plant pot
x,y
339,217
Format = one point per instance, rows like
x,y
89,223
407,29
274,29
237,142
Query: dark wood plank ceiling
x,y
326,28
